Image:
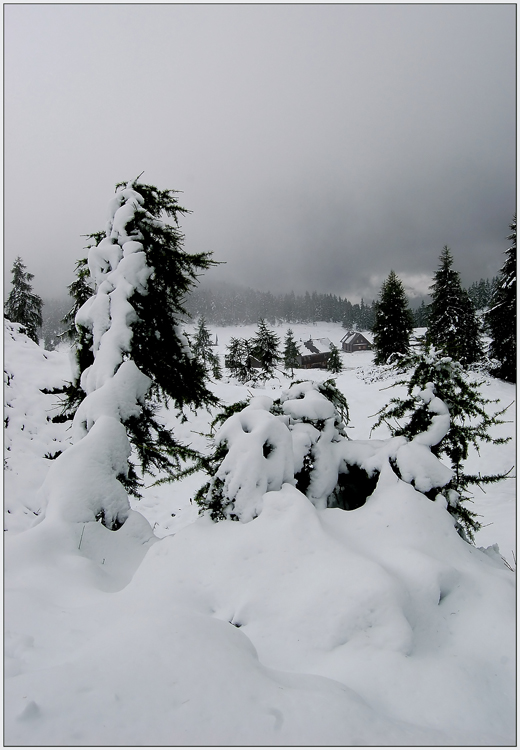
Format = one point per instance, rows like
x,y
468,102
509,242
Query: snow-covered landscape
x,y
260,365
303,626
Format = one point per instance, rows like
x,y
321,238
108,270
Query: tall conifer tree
x,y
453,326
264,347
394,321
141,320
291,353
334,363
23,305
502,314
203,350
239,361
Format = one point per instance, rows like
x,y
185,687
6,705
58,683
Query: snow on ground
x,y
378,626
29,432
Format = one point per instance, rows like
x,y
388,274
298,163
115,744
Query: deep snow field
x,y
378,626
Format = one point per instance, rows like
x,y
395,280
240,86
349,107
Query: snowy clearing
x,y
377,626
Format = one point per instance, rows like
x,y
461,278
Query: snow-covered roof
x,y
350,335
318,346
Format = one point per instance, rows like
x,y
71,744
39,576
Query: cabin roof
x,y
349,337
318,346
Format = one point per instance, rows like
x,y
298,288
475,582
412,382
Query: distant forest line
x,y
234,305
226,305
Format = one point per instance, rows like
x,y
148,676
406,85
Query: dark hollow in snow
x,y
352,489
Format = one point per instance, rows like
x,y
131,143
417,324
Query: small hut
x,y
316,354
354,341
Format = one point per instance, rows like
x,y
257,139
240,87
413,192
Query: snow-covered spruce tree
x,y
291,353
264,347
141,359
203,350
23,305
448,410
453,326
334,363
393,321
501,317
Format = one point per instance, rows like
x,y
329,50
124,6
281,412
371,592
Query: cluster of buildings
x,y
316,352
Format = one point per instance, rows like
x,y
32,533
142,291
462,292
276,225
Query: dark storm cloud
x,y
318,146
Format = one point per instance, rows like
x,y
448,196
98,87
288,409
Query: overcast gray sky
x,y
318,146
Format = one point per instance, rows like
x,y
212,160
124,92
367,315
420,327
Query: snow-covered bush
x,y
268,443
445,411
300,439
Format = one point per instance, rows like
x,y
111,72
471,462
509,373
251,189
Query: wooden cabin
x,y
355,341
315,354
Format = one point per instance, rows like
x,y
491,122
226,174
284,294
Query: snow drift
x,y
379,626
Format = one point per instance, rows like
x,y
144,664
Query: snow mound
x,y
301,627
